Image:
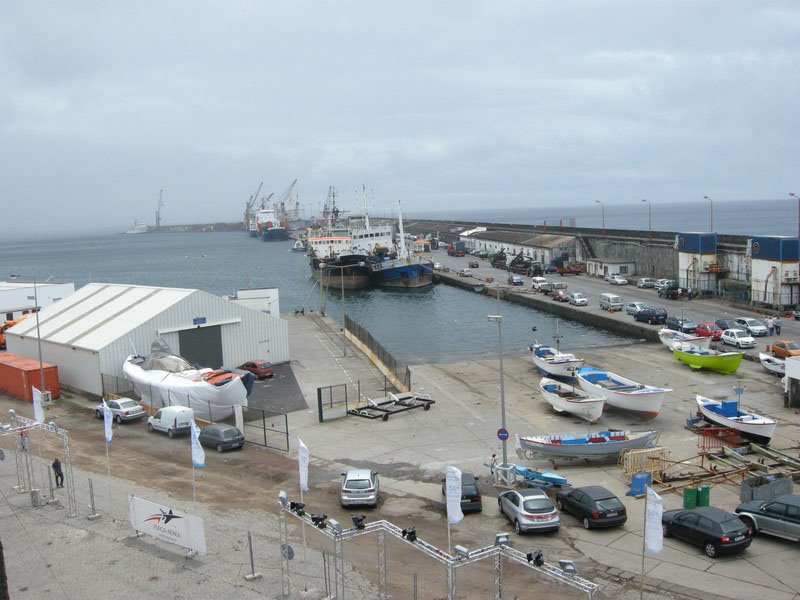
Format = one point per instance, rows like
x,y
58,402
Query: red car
x,y
706,329
260,368
561,296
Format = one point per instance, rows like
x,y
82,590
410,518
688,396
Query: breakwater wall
x,y
601,320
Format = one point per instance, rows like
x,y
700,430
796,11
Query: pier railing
x,y
398,373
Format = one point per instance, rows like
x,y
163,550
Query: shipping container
x,y
19,375
697,243
775,249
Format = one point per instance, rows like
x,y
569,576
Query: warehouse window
x,y
623,269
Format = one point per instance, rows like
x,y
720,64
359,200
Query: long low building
x,y
90,333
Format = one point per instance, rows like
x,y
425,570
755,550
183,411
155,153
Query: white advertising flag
x,y
302,464
452,486
38,411
653,530
108,419
198,454
167,524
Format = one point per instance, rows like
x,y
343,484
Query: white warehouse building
x,y
91,333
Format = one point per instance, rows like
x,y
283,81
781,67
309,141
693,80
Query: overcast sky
x,y
438,104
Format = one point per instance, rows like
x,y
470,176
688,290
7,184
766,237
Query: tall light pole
x,y
649,219
712,213
793,195
603,215
38,335
499,320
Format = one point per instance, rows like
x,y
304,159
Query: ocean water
x,y
752,217
438,324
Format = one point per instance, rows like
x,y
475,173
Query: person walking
x,y
59,473
771,325
778,325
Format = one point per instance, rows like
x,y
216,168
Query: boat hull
x,y
758,432
721,363
275,234
774,365
404,276
565,398
350,281
559,365
638,398
668,337
554,446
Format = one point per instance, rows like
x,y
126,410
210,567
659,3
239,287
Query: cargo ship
x,y
333,261
269,228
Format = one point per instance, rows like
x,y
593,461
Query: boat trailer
x,y
393,404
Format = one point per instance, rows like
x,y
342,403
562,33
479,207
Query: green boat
x,y
702,358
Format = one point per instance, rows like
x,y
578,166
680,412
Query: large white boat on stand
x,y
554,362
567,398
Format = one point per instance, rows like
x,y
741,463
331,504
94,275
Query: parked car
x,y
593,505
609,301
536,282
550,269
617,280
482,254
726,324
578,299
260,368
359,487
708,329
470,495
473,265
123,409
514,279
779,517
738,337
561,296
664,282
529,510
796,314
465,273
713,529
172,420
680,324
437,266
633,307
752,326
785,349
222,437
651,315
548,287
646,282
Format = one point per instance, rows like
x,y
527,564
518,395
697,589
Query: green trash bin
x,y
703,494
690,497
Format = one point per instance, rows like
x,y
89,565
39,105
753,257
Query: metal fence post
x,y
264,425
95,514
253,575
325,573
284,535
415,586
382,592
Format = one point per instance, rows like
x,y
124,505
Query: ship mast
x,y
366,207
402,250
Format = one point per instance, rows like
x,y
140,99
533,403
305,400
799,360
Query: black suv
x,y
651,315
680,324
593,505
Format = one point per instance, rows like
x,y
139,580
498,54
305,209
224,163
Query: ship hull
x,y
402,276
350,272
275,234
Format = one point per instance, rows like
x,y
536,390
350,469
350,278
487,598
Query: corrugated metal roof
x,y
99,313
543,240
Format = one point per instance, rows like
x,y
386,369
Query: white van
x,y
536,282
171,419
610,301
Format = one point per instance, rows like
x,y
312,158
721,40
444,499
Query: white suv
x,y
359,486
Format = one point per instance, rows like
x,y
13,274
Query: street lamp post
x,y
38,335
649,219
712,213
499,320
603,215
793,195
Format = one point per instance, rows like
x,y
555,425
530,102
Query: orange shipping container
x,y
19,375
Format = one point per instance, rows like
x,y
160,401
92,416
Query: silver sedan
x,y
122,409
529,510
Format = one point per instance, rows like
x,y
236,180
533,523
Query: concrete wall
x,y
775,283
652,260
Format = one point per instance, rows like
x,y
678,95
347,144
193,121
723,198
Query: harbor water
x,y
436,324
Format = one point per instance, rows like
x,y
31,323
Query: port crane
x,y
283,199
248,209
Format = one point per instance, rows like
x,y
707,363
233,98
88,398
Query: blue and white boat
x,y
728,414
621,392
590,445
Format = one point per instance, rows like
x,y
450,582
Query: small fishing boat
x,y
772,364
728,414
568,398
703,358
552,361
299,246
620,392
539,478
668,337
590,445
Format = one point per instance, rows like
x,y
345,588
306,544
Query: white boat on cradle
x,y
620,392
668,337
590,445
567,398
772,364
552,361
728,414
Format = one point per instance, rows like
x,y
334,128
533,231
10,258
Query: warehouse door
x,y
202,345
